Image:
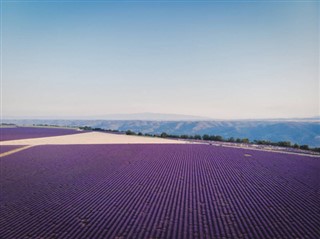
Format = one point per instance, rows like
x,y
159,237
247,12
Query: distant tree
x,y
173,136
85,128
238,140
197,136
257,141
97,129
316,150
184,136
164,135
305,147
296,146
245,141
218,138
206,137
129,132
231,139
284,144
140,134
266,142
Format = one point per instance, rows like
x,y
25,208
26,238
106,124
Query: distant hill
x,y
149,116
295,131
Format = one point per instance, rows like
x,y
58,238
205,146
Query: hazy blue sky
x,y
216,59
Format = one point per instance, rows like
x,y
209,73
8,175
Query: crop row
x,y
158,191
7,148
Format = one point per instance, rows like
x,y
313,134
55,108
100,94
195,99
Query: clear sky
x,y
235,59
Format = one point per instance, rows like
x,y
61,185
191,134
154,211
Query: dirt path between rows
x,y
92,138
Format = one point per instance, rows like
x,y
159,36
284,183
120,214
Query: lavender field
x,y
32,132
7,148
158,191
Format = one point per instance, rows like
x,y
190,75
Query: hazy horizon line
x,y
137,115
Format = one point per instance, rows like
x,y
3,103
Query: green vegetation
x,y
47,125
98,129
305,147
7,124
129,132
206,137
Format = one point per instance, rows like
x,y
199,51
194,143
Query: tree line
x,y
207,137
219,138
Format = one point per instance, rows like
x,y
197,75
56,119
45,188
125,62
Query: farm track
x,y
158,191
7,148
15,150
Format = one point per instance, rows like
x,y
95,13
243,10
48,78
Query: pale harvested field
x,y
92,138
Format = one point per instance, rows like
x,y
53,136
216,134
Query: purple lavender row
x,y
7,148
33,132
156,191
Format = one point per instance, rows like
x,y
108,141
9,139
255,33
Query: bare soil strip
x,y
107,138
92,138
15,151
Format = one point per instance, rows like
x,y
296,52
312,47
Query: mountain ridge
x,y
300,132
